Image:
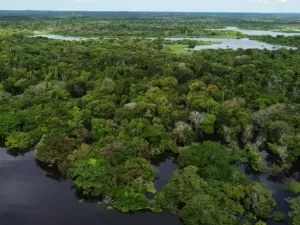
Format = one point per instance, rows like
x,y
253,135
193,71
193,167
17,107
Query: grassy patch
x,y
179,48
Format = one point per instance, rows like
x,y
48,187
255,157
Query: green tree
x,y
101,128
211,158
93,176
18,140
136,172
130,200
182,187
202,209
295,213
259,200
278,130
54,148
256,162
77,87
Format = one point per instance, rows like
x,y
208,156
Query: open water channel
x,y
223,43
31,195
273,33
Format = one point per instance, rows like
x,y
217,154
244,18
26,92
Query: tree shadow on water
x,y
17,152
52,171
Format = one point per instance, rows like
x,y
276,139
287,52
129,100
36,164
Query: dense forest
x,y
281,40
95,24
100,110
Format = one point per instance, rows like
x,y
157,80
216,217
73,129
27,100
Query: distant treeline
x,y
293,16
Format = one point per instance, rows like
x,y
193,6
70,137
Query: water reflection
x,y
275,183
235,44
59,37
29,197
260,32
165,166
16,153
51,172
279,191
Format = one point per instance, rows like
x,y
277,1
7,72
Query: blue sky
x,y
156,5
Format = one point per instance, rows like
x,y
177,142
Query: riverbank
x,y
209,43
49,195
31,195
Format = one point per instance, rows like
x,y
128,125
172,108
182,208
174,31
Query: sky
x,y
155,5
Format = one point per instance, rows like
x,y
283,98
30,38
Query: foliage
x,y
260,223
18,140
255,160
188,193
130,200
212,159
136,172
203,210
54,148
280,39
93,176
101,109
9,124
293,186
279,217
101,127
295,213
259,200
180,189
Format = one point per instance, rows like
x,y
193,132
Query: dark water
x,y
280,193
29,196
274,183
165,166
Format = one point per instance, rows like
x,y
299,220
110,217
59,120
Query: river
x,y
261,32
279,191
244,43
30,195
235,44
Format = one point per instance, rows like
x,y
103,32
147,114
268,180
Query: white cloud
x,y
269,1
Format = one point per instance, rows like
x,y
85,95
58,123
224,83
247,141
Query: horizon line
x,y
143,11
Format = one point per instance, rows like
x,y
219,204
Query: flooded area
x,y
235,44
165,167
261,32
59,37
30,195
280,193
223,43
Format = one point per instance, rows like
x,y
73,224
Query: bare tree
x,y
181,131
197,118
